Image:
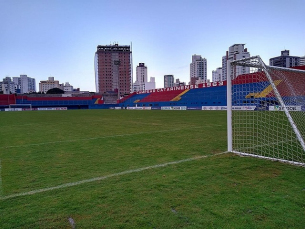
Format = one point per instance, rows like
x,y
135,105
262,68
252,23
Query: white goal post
x,y
266,110
20,106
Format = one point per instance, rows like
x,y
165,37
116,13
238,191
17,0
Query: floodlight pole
x,y
229,106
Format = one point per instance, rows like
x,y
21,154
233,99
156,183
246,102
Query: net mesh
x,y
268,108
20,107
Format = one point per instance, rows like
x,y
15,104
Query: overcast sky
x,y
43,38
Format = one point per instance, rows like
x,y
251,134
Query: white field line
x,y
263,145
24,124
105,177
270,158
101,137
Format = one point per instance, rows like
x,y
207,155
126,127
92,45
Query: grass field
x,y
269,134
138,169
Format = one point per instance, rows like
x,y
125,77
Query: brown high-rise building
x,y
113,69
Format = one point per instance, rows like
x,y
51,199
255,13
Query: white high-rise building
x,y
217,75
67,87
24,84
141,74
285,60
141,82
224,67
198,68
236,52
17,80
169,81
302,60
141,77
27,84
151,84
7,86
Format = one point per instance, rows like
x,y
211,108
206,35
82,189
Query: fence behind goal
x,y
268,119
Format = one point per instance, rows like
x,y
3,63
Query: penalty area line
x,y
66,185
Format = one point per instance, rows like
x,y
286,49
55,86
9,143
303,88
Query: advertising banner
x,y
194,108
51,108
138,108
289,108
13,109
173,108
214,108
223,108
244,108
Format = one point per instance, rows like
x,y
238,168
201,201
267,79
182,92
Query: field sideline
x,y
138,169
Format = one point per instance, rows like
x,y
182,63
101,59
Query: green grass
x,y
45,149
268,134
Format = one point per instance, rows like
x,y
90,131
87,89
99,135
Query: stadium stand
x,y
55,101
5,100
256,91
135,98
211,96
161,96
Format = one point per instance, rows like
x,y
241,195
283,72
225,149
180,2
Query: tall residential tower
x,y
198,69
113,69
24,84
302,60
168,81
236,52
141,82
217,75
141,77
284,60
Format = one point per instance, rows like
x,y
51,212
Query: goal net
x,y
21,107
266,110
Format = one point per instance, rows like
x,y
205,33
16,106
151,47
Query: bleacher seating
x,y
130,101
212,96
5,100
122,100
291,84
161,96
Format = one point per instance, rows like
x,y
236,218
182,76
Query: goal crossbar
x,y
20,106
245,62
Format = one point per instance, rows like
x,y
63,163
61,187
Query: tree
x,y
55,91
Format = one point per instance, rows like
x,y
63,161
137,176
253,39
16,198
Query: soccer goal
x,y
23,107
266,110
